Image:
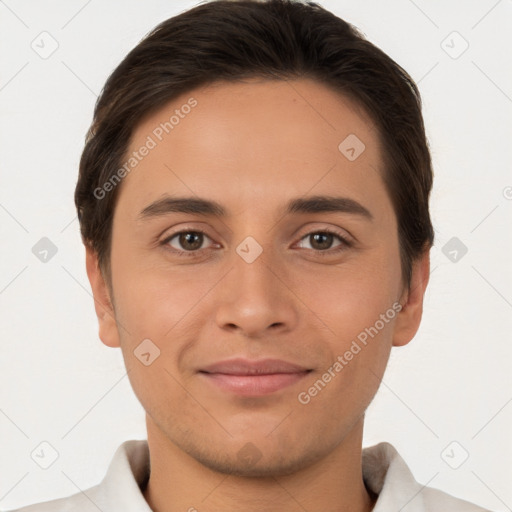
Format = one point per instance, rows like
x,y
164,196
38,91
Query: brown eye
x,y
191,241
325,243
321,241
187,240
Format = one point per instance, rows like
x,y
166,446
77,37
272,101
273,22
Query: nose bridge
x,y
253,273
253,296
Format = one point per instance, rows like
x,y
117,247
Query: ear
x,y
108,332
409,318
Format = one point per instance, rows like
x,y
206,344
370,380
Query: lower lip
x,y
254,385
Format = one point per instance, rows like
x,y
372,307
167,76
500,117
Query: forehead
x,y
252,140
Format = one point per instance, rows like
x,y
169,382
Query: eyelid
x,y
322,228
169,237
346,240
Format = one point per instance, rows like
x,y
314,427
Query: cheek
x,y
151,297
360,311
361,319
358,303
351,297
155,314
153,304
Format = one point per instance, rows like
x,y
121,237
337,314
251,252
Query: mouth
x,y
253,378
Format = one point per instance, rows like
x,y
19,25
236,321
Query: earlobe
x,y
409,318
108,331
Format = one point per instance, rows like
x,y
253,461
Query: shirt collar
x,y
384,472
127,474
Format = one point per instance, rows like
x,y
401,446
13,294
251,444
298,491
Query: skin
x,y
252,146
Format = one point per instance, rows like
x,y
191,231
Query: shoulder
x,y
120,489
77,502
387,475
435,500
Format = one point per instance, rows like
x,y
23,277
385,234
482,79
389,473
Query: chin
x,y
252,462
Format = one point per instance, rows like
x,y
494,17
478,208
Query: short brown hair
x,y
226,40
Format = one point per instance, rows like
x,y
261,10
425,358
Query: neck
x,y
178,482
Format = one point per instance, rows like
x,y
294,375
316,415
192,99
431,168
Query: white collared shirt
x,y
384,472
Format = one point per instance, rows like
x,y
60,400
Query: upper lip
x,y
241,366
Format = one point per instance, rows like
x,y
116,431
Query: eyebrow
x,y
198,206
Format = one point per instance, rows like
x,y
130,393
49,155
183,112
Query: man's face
x,y
306,299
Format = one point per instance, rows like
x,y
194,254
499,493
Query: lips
x,y
253,378
241,366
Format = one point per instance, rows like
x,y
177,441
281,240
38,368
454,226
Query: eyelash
x,y
345,244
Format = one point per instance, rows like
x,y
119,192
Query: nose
x,y
257,298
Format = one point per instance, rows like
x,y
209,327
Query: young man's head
x,y
255,186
